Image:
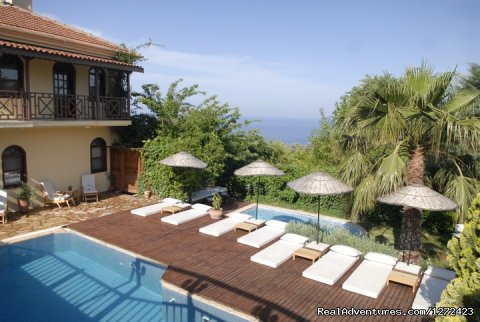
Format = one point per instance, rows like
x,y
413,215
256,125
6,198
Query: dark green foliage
x,y
133,136
438,223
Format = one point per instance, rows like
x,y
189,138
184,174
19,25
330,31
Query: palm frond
x,y
391,173
354,168
364,197
463,190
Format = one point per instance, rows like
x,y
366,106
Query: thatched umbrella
x,y
184,160
258,168
420,197
318,184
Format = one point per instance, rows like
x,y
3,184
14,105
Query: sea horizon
x,y
288,130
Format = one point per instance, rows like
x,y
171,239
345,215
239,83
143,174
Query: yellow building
x,y
61,92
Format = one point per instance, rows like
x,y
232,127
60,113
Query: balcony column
x,y
27,111
128,95
97,94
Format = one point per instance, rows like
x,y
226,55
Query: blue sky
x,y
280,58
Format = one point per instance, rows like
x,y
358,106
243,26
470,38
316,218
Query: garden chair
x,y
54,197
89,190
3,206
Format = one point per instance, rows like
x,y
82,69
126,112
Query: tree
x,y
210,130
414,129
464,258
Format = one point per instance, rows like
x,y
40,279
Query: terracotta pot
x,y
147,194
216,214
22,205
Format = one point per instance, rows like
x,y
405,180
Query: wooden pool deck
x,y
220,270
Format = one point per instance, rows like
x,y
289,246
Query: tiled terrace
x,y
52,216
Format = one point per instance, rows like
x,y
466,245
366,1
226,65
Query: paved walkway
x,y
52,216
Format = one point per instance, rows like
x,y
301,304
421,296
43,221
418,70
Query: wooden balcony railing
x,y
47,106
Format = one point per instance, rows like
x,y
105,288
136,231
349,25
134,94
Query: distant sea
x,y
287,130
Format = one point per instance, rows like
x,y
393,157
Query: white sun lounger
x,y
153,209
260,237
331,266
198,210
225,225
434,281
371,275
277,253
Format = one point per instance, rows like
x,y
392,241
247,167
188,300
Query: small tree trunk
x,y
410,235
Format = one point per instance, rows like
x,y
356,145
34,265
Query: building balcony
x,y
47,109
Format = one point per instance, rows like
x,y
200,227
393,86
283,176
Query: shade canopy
x,y
420,197
319,183
258,168
184,160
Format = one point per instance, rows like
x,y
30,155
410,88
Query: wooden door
x,y
125,167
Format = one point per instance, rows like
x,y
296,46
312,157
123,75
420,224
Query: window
x,y
13,166
118,84
63,79
98,155
94,75
11,72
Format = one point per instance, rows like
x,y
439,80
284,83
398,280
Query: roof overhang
x,y
64,56
11,124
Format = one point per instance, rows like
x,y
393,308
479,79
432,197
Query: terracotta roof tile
x,y
24,19
38,49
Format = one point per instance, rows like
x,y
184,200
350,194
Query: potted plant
x,y
216,212
25,194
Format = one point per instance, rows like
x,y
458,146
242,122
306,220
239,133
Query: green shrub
x,y
341,237
464,257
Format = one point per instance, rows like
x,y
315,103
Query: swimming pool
x,y
66,277
267,213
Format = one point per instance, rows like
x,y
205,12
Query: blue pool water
x,y
63,277
266,213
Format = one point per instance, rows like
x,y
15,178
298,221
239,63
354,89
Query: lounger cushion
x,y
275,254
368,279
346,250
59,198
184,216
261,237
239,216
276,223
329,268
441,273
429,292
200,206
294,238
149,210
381,258
171,201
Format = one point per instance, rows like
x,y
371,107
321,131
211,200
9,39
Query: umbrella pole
x,y
318,218
258,188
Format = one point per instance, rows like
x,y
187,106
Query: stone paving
x,y
52,216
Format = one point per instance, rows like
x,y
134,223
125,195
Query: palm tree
x,y
416,129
